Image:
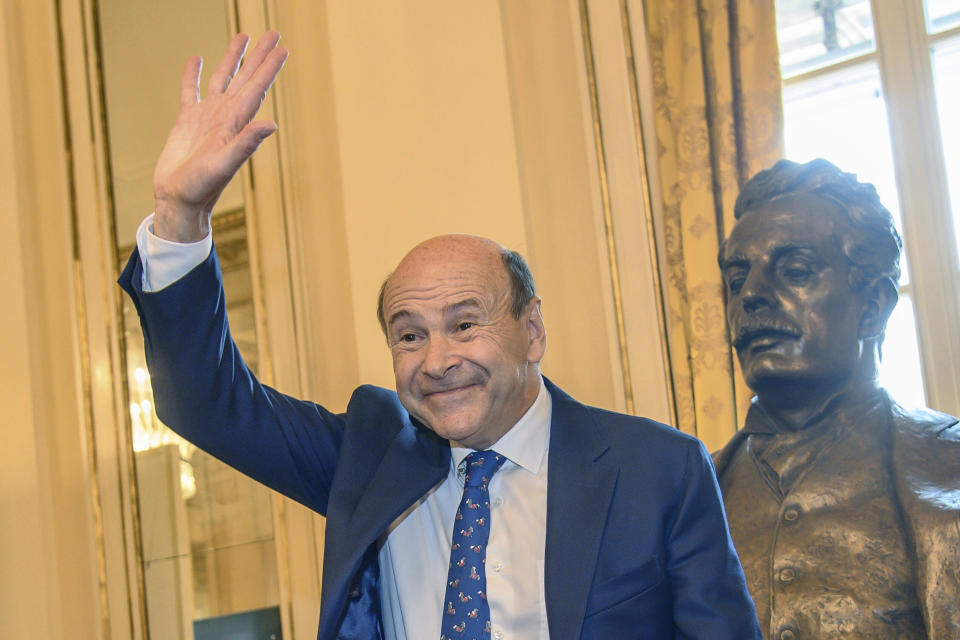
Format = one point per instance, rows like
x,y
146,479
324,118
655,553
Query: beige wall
x,y
418,119
398,121
426,140
141,91
48,561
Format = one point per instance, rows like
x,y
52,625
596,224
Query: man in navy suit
x,y
600,524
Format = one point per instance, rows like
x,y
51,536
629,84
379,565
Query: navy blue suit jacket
x,y
637,545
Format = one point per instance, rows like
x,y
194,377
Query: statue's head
x,y
810,270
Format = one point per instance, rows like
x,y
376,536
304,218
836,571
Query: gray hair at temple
x,y
871,243
522,288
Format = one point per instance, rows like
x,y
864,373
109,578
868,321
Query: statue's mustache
x,y
752,328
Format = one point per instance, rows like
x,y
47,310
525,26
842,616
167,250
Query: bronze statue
x,y
844,506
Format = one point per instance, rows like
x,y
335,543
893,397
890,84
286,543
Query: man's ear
x,y
536,331
880,297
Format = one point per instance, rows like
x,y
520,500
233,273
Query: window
x,y
862,86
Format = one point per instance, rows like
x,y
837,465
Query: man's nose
x,y
440,356
757,292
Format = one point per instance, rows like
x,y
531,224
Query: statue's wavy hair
x,y
871,243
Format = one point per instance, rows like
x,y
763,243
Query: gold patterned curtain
x,y
718,113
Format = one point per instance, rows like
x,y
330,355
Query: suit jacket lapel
x,y
580,485
415,461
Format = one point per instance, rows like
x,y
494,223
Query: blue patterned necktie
x,y
466,614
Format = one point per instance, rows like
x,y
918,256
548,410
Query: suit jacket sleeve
x,y
204,391
709,590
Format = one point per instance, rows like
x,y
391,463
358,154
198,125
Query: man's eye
x,y
463,326
407,337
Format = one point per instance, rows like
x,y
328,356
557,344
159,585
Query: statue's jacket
x,y
863,539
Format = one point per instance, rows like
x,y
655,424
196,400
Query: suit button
x,y
791,515
788,634
788,574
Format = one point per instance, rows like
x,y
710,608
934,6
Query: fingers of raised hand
x,y
227,67
251,64
246,142
190,82
251,95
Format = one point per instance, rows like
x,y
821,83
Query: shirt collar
x,y
526,443
846,408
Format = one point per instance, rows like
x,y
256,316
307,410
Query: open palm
x,y
213,137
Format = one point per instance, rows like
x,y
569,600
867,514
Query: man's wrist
x,y
180,224
165,261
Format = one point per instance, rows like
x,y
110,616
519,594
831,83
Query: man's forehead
x,y
477,271
399,312
455,271
451,286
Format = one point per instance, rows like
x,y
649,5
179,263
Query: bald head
x,y
445,256
464,328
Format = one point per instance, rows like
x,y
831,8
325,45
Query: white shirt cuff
x,y
165,262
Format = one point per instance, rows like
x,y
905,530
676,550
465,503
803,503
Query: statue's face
x,y
792,314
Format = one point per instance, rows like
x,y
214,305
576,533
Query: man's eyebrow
x,y
399,315
468,303
460,305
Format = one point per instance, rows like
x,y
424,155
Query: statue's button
x,y
791,514
788,634
788,574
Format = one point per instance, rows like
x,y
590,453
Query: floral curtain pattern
x,y
718,116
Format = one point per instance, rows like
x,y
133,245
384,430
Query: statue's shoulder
x,y
723,456
924,425
926,458
926,468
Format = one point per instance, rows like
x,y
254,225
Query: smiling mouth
x,y
448,393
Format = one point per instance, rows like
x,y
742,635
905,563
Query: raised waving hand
x,y
212,137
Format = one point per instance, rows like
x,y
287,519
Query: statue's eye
x,y
796,272
735,280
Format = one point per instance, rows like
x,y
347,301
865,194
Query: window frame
x,y
903,54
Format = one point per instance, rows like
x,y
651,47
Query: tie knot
x,y
481,465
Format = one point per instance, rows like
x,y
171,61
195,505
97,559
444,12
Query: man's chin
x,y
452,427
